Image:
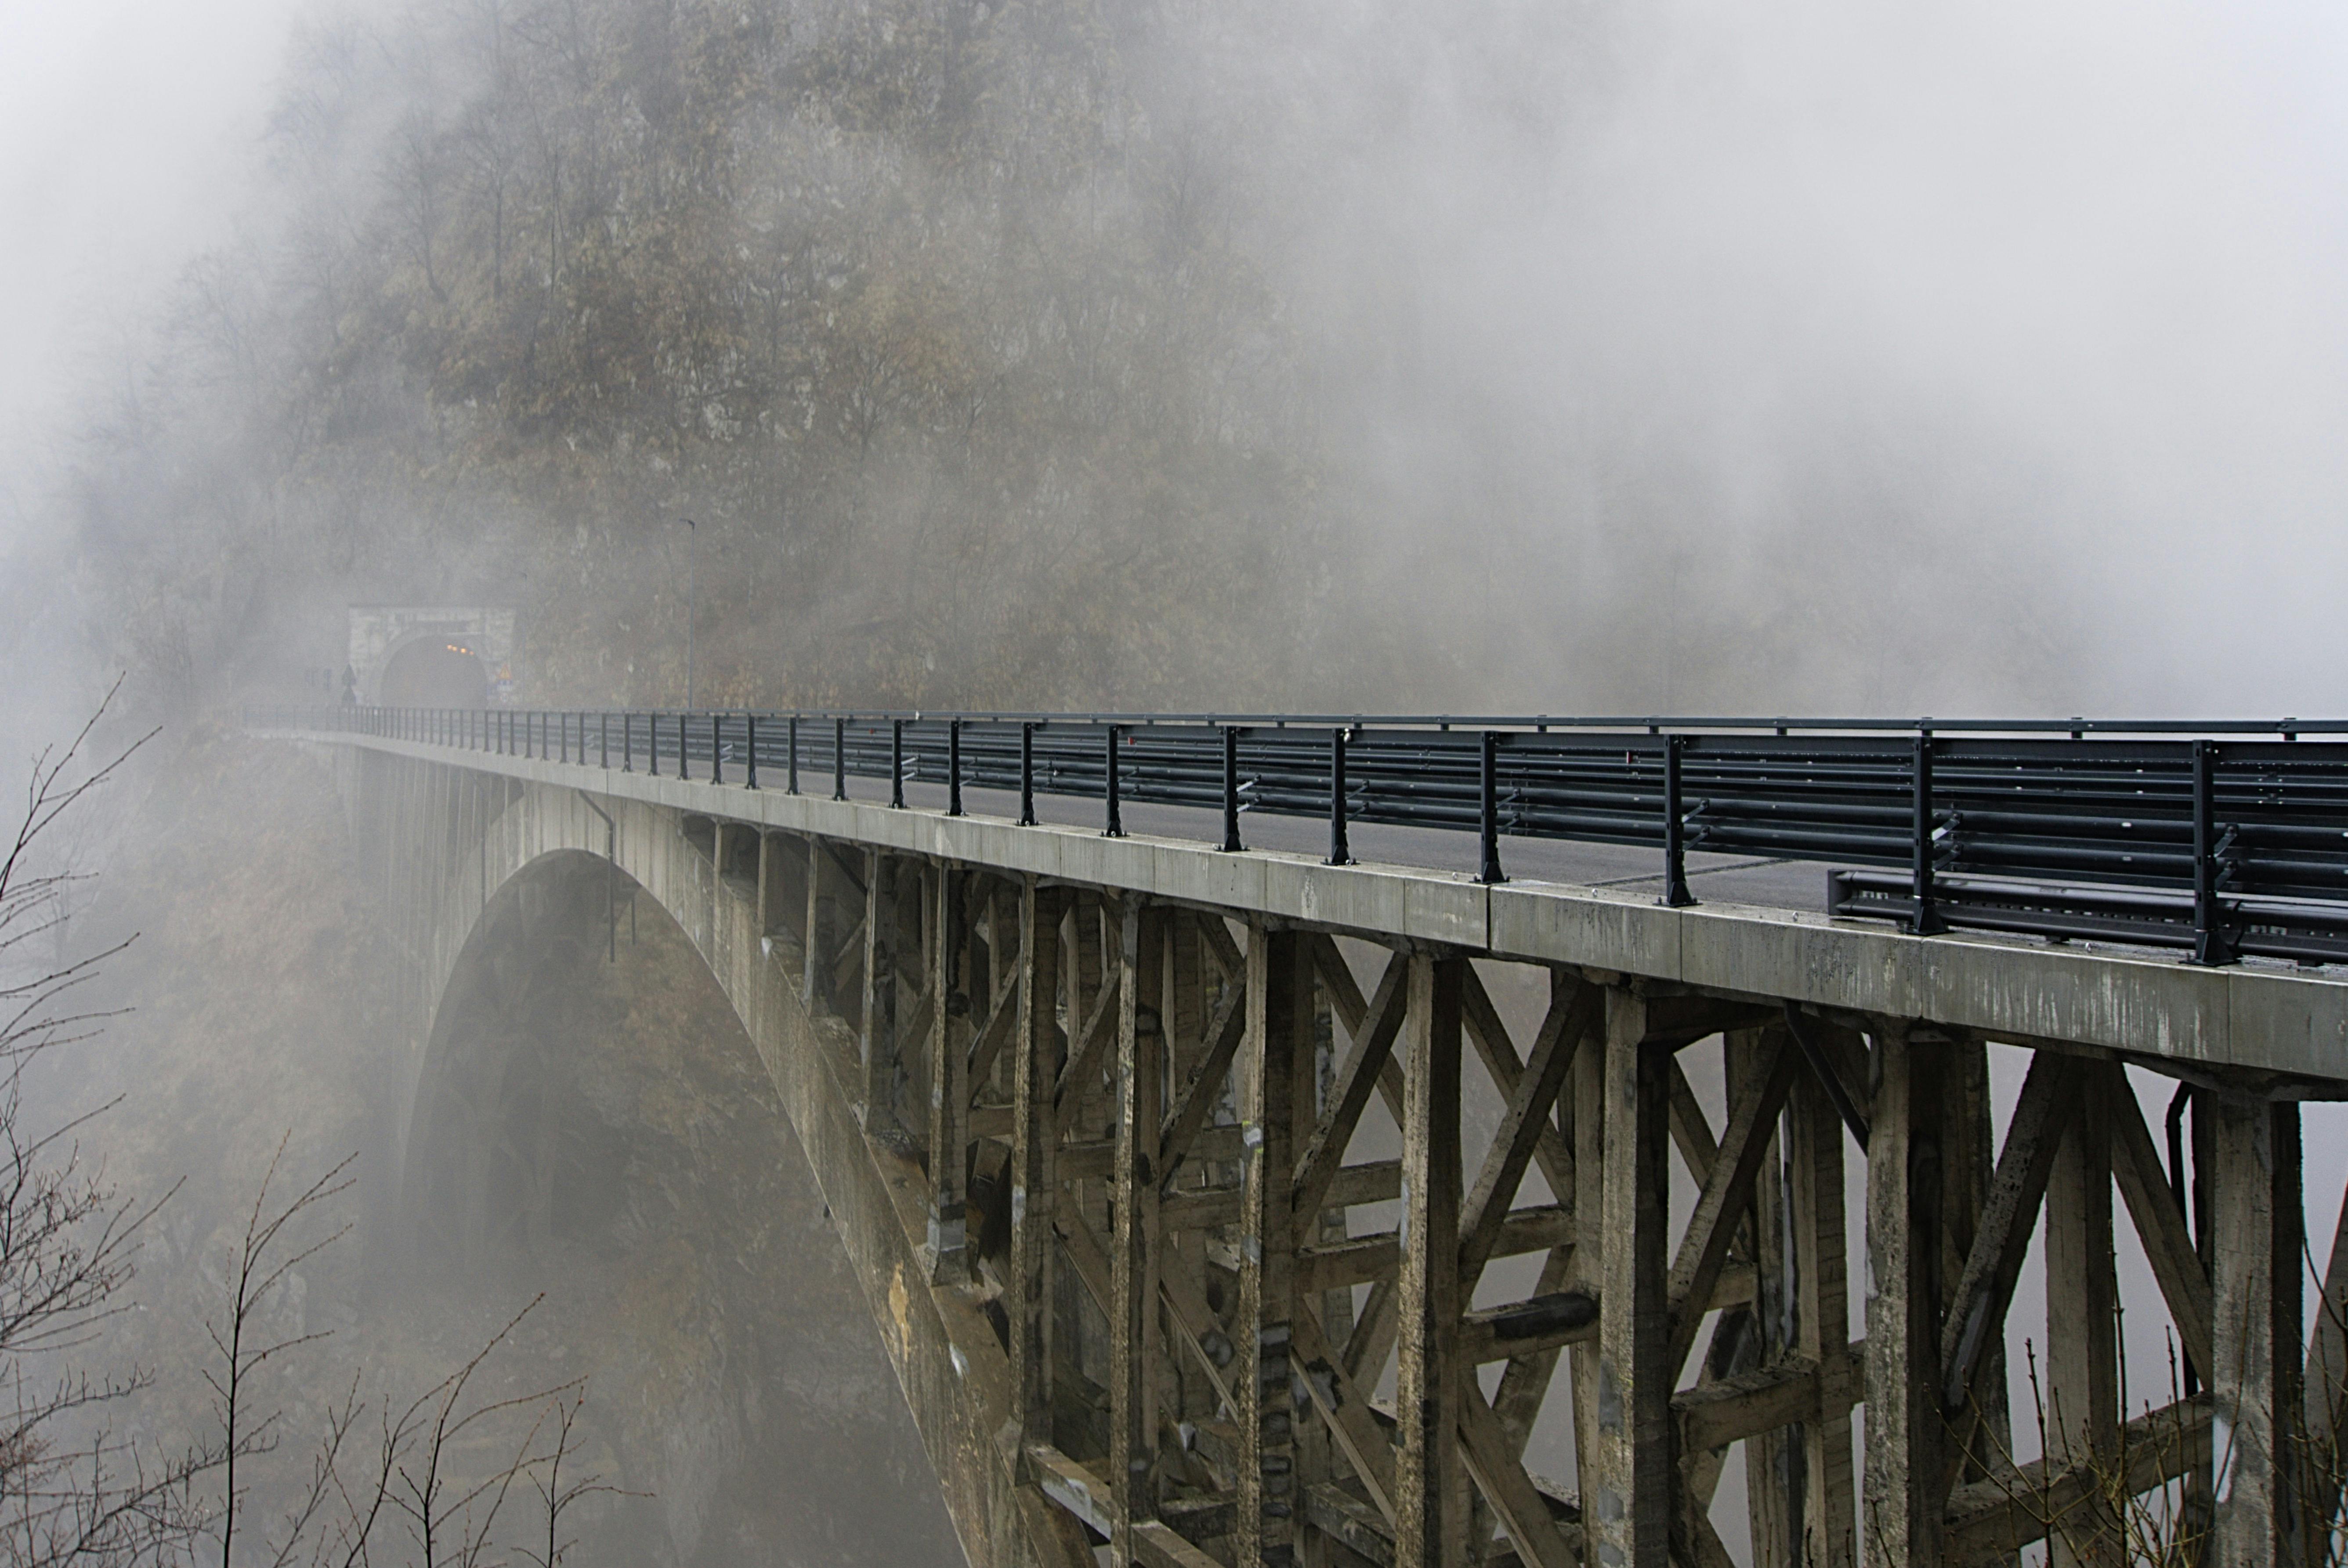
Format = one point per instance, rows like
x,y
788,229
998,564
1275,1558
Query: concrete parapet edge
x,y
2147,1004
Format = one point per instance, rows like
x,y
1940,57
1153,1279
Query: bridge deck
x,y
1108,1099
1772,943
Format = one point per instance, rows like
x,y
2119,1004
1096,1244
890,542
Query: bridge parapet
x,y
1158,1160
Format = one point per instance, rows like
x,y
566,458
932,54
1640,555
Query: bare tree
x,y
558,1496
261,1267
74,1488
416,176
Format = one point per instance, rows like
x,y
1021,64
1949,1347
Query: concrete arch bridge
x,y
1220,1206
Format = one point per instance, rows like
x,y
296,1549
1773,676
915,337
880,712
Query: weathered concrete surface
x,y
945,1356
2260,1019
378,632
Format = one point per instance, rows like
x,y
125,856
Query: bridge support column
x,y
1431,1504
1279,1013
2255,1436
782,900
1826,1536
1133,1311
1969,1153
821,935
881,936
1628,1513
949,1141
2083,1353
1035,1172
1903,1495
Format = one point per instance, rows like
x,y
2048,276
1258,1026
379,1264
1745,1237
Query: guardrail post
x,y
1489,812
1231,844
1116,828
897,763
1028,775
750,745
1924,920
840,759
652,745
684,747
953,767
604,739
791,779
2212,943
1676,893
717,749
1340,851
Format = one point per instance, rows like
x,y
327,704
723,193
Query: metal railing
x,y
2225,838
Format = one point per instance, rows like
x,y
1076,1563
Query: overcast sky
x,y
126,131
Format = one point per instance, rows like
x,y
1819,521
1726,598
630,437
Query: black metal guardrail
x,y
2225,838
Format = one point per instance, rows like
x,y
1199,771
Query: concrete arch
x,y
444,882
593,1128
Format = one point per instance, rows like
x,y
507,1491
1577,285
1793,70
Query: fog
x,y
1919,360
129,130
1677,356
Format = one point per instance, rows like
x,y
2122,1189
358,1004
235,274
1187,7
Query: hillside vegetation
x,y
1078,353
925,312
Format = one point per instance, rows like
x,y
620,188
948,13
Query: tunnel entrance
x,y
435,672
594,1123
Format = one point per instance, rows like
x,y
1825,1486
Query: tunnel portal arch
x,y
431,672
592,1120
423,643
